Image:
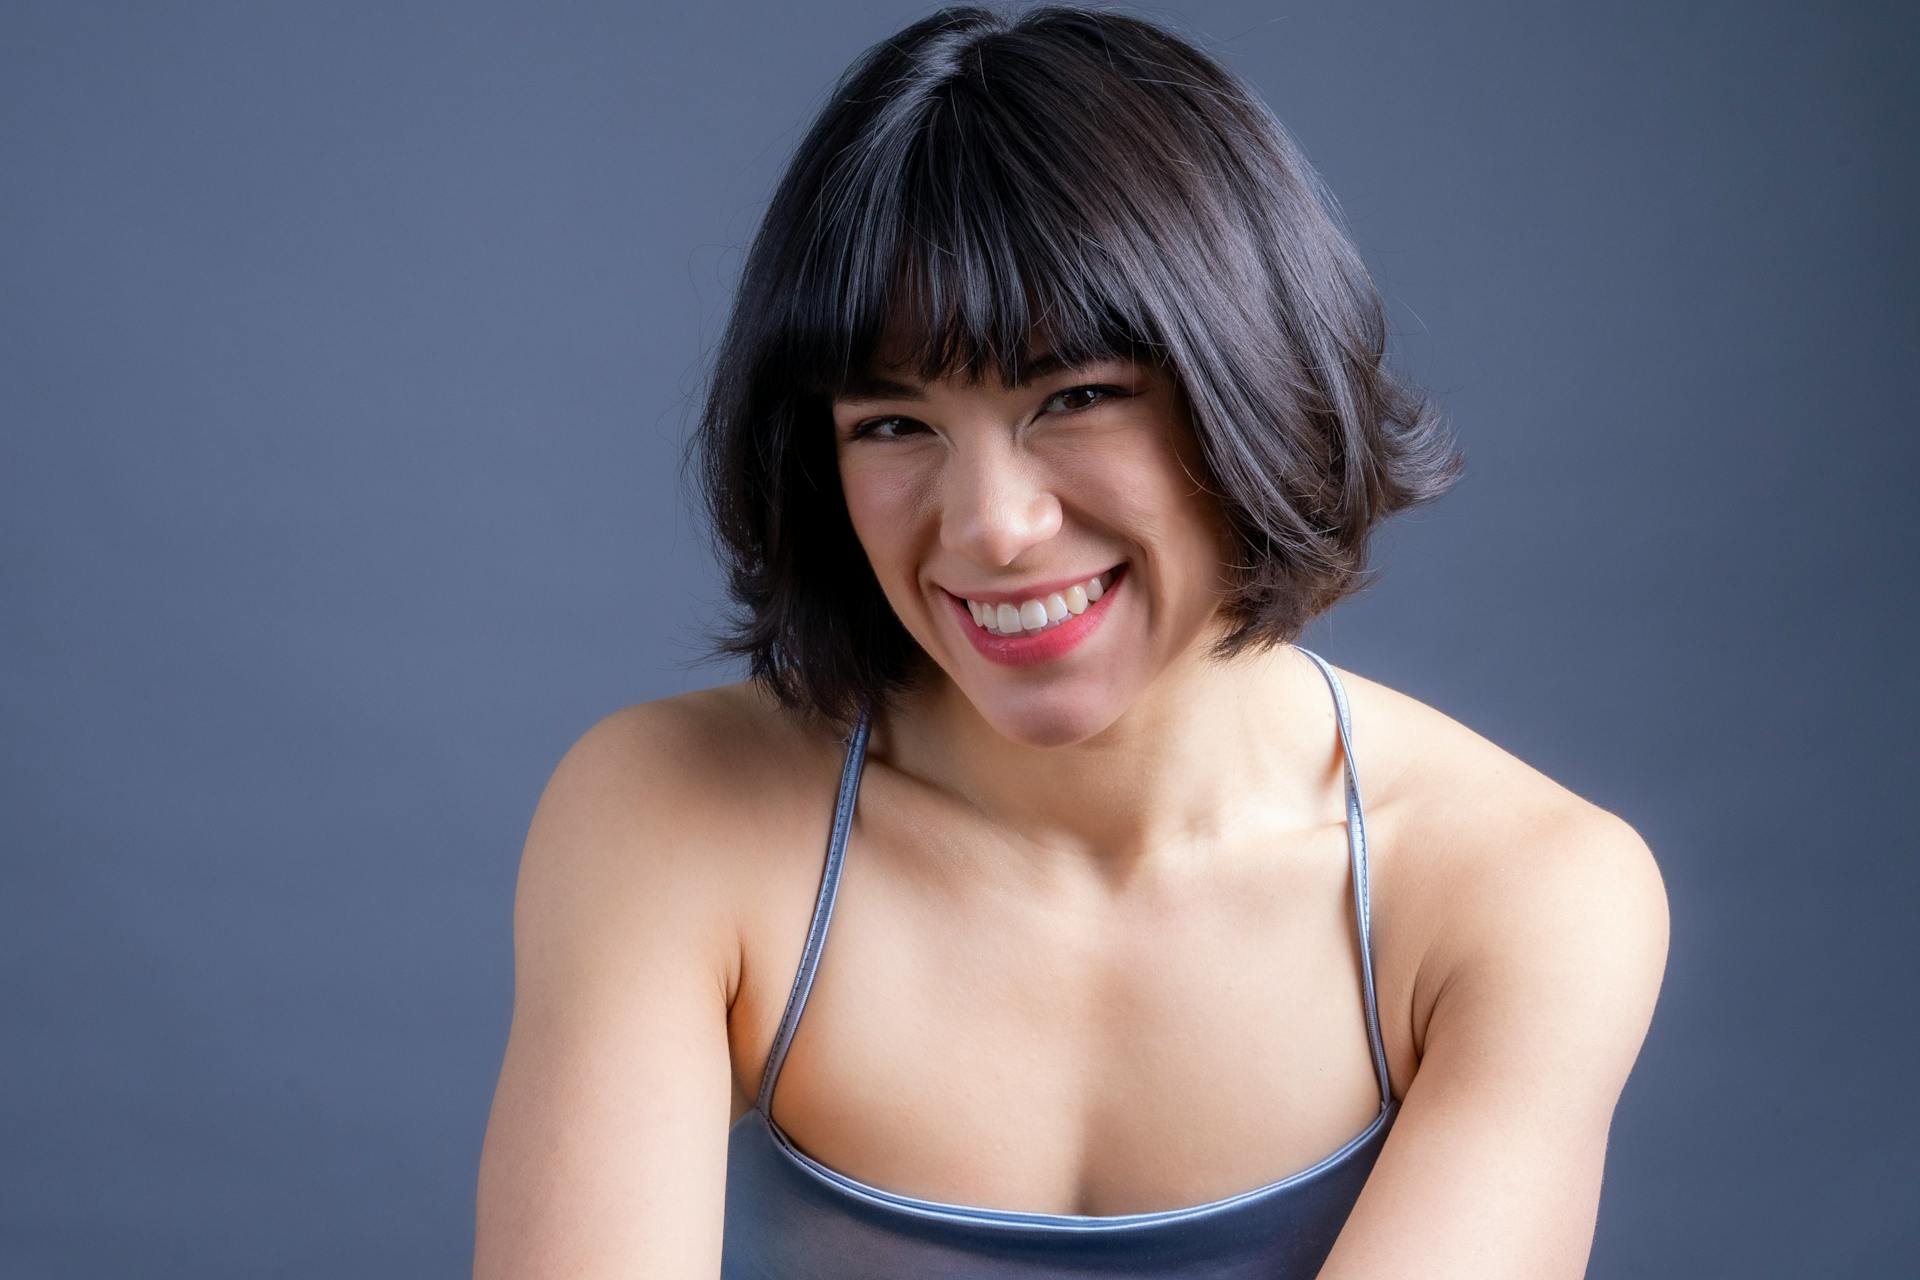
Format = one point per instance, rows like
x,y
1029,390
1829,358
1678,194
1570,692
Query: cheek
x,y
1166,503
881,502
1133,481
1181,473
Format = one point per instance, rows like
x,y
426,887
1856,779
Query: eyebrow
x,y
873,386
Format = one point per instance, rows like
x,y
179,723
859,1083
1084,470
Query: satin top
x,y
790,1217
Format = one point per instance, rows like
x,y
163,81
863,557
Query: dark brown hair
x,y
980,178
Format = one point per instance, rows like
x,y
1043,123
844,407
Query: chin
x,y
1054,718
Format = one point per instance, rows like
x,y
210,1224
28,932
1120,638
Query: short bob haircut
x,y
980,181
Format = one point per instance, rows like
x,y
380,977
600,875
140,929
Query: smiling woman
x,y
1052,407
1048,199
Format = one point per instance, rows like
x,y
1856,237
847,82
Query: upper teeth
x,y
1043,612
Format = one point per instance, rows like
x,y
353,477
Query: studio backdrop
x,y
347,355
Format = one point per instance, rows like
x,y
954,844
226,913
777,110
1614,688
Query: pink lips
x,y
1044,646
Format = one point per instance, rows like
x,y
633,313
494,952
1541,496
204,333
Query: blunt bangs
x,y
982,188
955,241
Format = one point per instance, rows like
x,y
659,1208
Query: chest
x,y
1012,1039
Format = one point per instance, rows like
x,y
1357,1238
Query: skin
x,y
1093,950
1132,747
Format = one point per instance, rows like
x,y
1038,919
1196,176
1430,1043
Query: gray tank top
x,y
789,1217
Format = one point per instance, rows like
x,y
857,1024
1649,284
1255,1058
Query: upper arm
x,y
1492,1169
605,1150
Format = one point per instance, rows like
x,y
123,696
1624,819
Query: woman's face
x,y
1013,497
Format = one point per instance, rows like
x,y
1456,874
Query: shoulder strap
x,y
1362,897
822,907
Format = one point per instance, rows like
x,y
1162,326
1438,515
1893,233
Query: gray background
x,y
345,354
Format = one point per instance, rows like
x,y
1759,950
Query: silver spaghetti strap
x,y
1362,896
822,907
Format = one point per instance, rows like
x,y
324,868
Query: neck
x,y
1209,748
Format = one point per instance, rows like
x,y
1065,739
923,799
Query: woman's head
x,y
993,214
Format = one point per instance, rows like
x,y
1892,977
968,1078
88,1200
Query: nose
x,y
994,504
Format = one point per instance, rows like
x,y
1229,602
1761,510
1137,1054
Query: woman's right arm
x,y
605,1152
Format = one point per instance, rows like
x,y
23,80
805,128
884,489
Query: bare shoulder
x,y
661,808
1534,925
1497,866
691,761
606,1143
616,841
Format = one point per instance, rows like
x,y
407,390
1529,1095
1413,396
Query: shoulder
x,y
643,769
1561,931
688,762
1535,925
645,831
607,1135
1510,879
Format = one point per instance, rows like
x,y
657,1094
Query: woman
x,y
1051,409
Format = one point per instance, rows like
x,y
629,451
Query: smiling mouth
x,y
1040,614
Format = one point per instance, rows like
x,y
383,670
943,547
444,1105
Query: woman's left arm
x,y
1548,983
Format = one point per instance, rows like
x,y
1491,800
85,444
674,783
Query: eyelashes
x,y
1105,393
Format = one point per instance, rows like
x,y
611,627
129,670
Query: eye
x,y
862,430
907,426
1104,392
